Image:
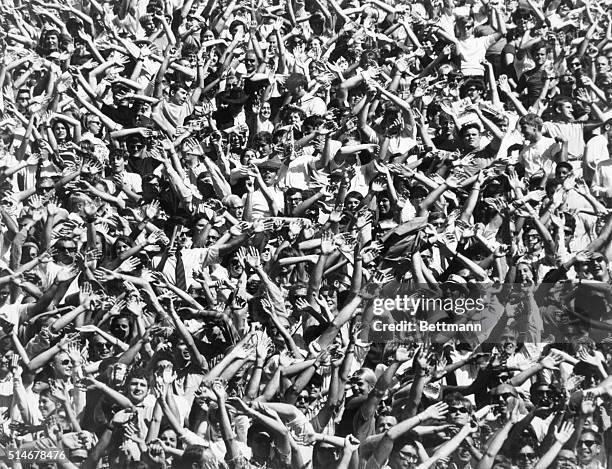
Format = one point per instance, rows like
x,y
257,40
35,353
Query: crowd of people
x,y
204,205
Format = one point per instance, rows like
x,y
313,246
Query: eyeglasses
x,y
103,345
457,410
408,456
588,443
470,90
66,362
505,396
66,248
526,456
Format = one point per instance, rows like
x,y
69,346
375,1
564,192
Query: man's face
x,y
562,173
137,390
566,459
471,139
118,163
588,448
566,110
458,414
406,458
384,423
529,131
359,385
66,251
250,62
22,101
532,240
293,201
102,348
508,341
179,96
540,56
62,364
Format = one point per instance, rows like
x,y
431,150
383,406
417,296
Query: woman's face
x,y
168,437
60,131
46,406
384,205
121,247
524,274
526,458
265,111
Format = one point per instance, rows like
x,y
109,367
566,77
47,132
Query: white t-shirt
x,y
473,51
539,156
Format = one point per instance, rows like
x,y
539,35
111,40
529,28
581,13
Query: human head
x,y
137,385
470,136
531,126
588,447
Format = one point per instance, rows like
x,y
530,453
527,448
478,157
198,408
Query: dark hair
x,y
468,126
532,119
137,373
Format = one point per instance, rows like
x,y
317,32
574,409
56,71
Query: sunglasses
x,y
457,410
104,345
588,443
67,249
505,396
526,456
66,362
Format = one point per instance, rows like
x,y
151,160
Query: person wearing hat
x,y
230,115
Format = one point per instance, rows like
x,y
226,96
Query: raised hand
x,y
563,434
436,411
253,258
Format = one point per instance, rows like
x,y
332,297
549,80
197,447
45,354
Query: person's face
x,y
66,251
94,124
588,448
121,247
52,42
118,164
236,209
135,147
532,240
268,175
509,343
529,131
352,204
184,240
293,201
458,414
183,352
59,129
22,101
566,459
295,119
474,93
358,385
566,110
406,458
46,406
471,139
331,298
213,237
5,293
250,62
540,56
121,328
526,458
384,423
62,365
168,437
384,205
5,361
179,96
447,127
137,389
599,267
102,348
602,64
265,111
562,173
